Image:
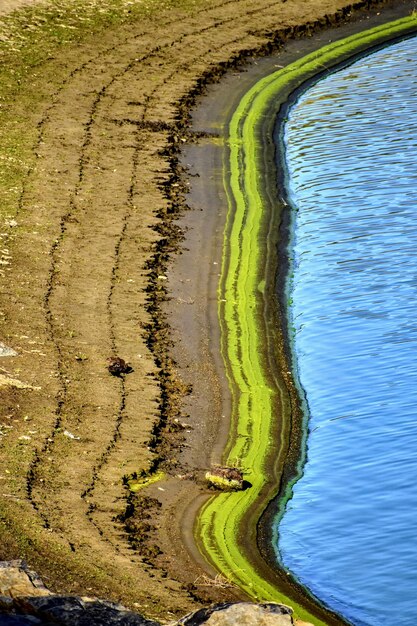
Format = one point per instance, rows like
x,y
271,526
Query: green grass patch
x,y
35,42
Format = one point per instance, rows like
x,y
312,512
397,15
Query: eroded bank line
x,y
265,419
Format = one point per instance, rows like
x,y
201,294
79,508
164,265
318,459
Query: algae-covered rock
x,y
225,478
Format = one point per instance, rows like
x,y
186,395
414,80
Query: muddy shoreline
x,y
98,109
208,217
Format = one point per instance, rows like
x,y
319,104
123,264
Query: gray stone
x,y
17,580
6,351
74,611
21,620
240,614
25,601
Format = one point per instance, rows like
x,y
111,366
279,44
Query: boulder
x,y
17,580
225,478
25,601
75,611
240,614
21,620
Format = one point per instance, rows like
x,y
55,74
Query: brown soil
x,y
7,6
86,247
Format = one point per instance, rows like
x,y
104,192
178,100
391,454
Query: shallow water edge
x,y
352,181
254,327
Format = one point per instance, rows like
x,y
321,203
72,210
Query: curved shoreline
x,y
255,385
96,109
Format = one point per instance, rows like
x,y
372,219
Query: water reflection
x,y
349,531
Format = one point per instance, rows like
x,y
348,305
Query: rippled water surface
x,y
350,531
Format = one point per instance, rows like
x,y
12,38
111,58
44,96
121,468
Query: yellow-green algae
x,y
226,525
135,484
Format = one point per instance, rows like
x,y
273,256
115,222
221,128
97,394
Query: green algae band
x,y
262,419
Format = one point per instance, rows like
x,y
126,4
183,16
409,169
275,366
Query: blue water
x,y
350,531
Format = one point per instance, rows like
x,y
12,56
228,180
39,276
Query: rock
x,y
225,478
25,601
240,614
6,351
20,620
75,611
118,366
17,580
